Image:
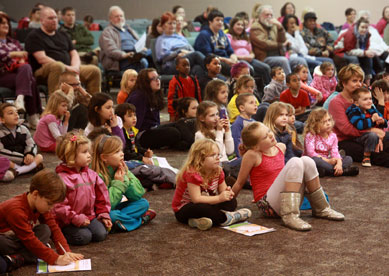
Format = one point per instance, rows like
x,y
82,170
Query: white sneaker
x,y
33,121
19,104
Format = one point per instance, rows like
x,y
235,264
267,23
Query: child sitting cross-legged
x,y
321,144
245,84
108,162
26,225
202,199
182,85
296,96
84,214
132,150
363,115
16,143
247,105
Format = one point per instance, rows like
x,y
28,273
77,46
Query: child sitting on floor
x,y
202,199
213,66
108,162
22,238
132,150
247,106
245,84
296,96
362,114
84,215
324,80
321,144
127,84
273,90
16,143
277,188
303,72
54,122
182,85
297,146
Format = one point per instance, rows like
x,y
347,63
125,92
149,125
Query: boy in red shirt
x,y
295,96
182,85
26,224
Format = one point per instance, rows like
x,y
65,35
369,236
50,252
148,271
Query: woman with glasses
x,y
148,100
16,73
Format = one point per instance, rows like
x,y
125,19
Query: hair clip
x,y
74,138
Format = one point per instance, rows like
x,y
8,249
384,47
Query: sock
x,y
8,176
26,168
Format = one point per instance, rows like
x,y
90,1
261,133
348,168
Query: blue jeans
x,y
129,213
287,65
95,231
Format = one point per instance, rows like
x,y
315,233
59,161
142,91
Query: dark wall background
x,y
329,10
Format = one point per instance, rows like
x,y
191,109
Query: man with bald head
x,y
117,43
52,52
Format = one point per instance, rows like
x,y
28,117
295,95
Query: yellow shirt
x,y
233,110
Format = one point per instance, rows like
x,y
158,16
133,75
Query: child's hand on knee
x,y
107,223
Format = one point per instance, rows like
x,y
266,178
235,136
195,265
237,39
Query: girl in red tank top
x,y
277,186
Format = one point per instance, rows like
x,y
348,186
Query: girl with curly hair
x,y
321,144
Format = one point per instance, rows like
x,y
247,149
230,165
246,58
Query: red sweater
x,y
182,87
16,215
342,128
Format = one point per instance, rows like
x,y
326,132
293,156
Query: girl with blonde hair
x,y
278,189
84,215
108,162
202,198
54,122
321,144
127,84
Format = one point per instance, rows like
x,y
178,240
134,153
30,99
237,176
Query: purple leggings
x,y
23,82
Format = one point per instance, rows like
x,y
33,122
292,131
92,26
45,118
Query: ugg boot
x,y
290,212
321,208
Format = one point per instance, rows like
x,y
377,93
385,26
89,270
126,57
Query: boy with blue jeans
x,y
363,115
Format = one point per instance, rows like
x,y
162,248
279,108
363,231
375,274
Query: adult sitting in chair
x,y
80,36
16,74
117,43
52,52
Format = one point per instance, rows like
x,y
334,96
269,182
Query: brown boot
x,y
321,208
290,212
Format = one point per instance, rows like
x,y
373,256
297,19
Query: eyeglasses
x,y
155,78
215,156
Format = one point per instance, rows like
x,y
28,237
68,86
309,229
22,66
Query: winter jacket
x,y
323,83
86,197
16,148
267,41
347,44
273,90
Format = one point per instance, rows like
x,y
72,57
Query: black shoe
x,y
322,172
351,171
14,261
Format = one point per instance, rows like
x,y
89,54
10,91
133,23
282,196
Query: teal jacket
x,y
130,187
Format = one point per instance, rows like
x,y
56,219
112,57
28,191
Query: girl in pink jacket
x,y
84,214
324,80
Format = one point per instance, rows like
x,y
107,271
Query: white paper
x,y
141,43
162,162
74,266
